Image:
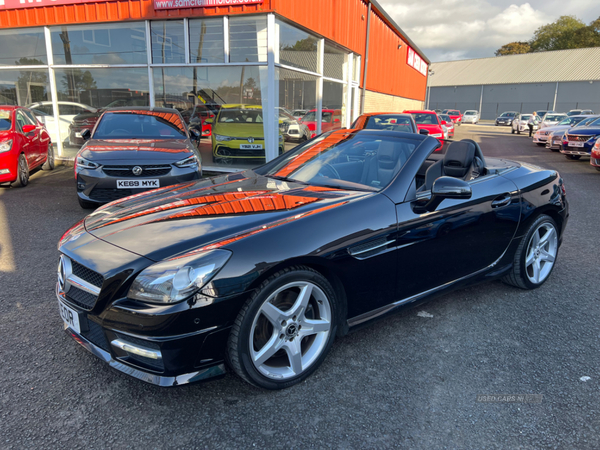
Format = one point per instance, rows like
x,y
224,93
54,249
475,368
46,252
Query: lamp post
x,y
428,86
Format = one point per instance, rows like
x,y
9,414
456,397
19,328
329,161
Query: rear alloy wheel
x,y
49,164
285,330
22,172
573,157
536,255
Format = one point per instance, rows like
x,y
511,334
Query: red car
x,y
448,123
24,145
595,156
331,119
454,114
429,120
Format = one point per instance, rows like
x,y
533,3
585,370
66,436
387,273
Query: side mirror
x,y
28,128
86,134
446,187
209,120
336,120
424,131
195,134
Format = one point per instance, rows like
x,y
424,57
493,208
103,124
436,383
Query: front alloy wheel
x,y
285,330
22,172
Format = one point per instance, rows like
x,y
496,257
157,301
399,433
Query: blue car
x,y
578,142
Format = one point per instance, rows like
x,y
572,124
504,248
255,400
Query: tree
x,y
557,35
514,48
304,45
77,81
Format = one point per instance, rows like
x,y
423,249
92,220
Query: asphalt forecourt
x,y
490,366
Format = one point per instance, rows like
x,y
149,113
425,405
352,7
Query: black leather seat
x,y
457,162
381,167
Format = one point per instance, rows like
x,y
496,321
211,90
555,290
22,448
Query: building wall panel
x,y
378,102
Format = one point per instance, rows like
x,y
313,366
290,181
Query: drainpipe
x,y
362,95
555,95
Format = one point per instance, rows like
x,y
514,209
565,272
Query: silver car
x,y
470,116
554,139
551,119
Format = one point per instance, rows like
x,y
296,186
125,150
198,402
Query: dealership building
x,y
560,80
66,57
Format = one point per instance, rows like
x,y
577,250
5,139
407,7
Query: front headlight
x,y
176,279
5,146
222,138
191,161
280,138
83,163
436,135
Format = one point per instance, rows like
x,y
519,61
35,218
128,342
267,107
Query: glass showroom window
x,y
21,47
248,39
206,41
296,48
224,102
297,106
168,42
112,43
82,91
334,104
334,63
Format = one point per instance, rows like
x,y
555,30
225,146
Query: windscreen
x,y
508,114
595,122
390,122
454,113
240,116
470,113
355,161
553,118
5,121
426,119
131,125
445,117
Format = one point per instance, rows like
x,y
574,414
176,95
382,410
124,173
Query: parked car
x,y
579,112
134,149
520,123
506,118
263,269
238,133
429,121
386,121
448,123
595,156
579,141
551,119
291,128
25,145
470,116
195,118
299,113
454,114
541,113
87,120
555,137
331,119
67,111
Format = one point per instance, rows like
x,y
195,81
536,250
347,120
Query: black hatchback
x,y
132,150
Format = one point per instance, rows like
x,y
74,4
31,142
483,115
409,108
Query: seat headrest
x,y
458,159
387,156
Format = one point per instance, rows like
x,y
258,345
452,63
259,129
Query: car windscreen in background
x,y
4,120
389,122
425,119
133,125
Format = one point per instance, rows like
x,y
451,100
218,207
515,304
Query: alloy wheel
x,y
23,171
541,252
290,330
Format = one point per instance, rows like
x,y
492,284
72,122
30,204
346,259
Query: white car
x,y
66,111
470,116
551,119
521,123
291,128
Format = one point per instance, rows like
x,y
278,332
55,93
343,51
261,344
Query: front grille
x,y
81,298
87,274
106,195
96,335
127,171
226,151
578,138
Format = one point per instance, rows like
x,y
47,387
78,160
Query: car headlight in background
x,y
222,138
191,161
5,146
82,163
436,135
176,279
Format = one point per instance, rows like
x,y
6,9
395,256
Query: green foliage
x,y
304,45
514,48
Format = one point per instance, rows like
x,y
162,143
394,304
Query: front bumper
x,y
586,150
540,138
507,123
554,143
8,165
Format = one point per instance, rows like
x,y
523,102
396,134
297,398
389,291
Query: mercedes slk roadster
x,y
261,270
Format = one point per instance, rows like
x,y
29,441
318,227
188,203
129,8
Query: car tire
x,y
573,157
536,255
554,149
597,168
22,172
512,130
267,346
50,163
540,144
85,204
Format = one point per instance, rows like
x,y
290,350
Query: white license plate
x,y
137,184
69,316
251,146
575,144
78,134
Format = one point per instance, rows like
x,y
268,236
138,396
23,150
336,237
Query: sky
x,y
447,30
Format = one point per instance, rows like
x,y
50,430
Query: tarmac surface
x,y
409,381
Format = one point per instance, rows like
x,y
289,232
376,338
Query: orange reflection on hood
x,y
124,148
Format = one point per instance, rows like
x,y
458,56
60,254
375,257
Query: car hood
x,y
243,130
208,213
557,128
586,131
135,150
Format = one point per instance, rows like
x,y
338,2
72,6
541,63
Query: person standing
x,y
531,122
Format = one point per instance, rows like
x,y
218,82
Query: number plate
x,y
575,144
69,316
251,146
137,184
78,134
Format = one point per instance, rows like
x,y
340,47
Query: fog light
x,y
81,186
4,171
136,350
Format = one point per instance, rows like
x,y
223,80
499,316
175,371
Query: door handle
x,y
502,200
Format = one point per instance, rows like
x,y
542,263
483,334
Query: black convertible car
x,y
262,269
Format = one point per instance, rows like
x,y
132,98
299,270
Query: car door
x,y
30,141
42,137
458,239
